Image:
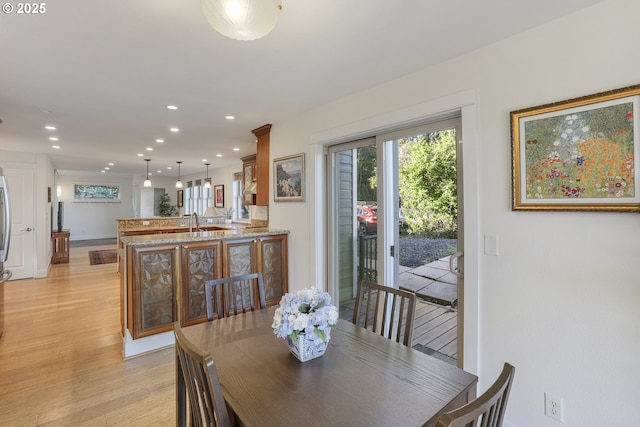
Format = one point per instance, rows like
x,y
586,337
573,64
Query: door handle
x,y
456,257
28,229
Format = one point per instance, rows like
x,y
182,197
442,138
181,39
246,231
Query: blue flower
x,y
307,311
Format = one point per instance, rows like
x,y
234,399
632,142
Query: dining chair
x,y
486,410
387,311
204,393
233,295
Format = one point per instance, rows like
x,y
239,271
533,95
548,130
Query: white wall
x,y
561,300
93,219
224,176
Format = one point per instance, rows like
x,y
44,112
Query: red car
x,y
367,219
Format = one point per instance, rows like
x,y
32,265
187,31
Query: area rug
x,y
107,256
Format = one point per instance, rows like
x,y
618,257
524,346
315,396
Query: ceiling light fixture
x,y
242,19
147,182
172,107
178,182
207,184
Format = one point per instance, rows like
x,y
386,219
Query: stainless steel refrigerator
x,y
5,237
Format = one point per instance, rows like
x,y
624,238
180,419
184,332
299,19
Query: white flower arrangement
x,y
308,311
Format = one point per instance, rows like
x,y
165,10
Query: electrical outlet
x,y
553,407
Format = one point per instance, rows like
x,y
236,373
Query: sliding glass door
x,y
394,214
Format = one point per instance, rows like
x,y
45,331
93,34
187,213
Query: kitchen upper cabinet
x,y
262,164
249,178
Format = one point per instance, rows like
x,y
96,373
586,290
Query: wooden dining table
x,y
363,379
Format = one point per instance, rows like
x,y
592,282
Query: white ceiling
x,y
103,71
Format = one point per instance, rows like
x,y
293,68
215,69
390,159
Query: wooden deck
x,y
435,329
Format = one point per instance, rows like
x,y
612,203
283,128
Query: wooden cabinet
x,y
262,164
200,262
266,255
154,283
249,185
239,257
272,263
255,170
60,247
166,283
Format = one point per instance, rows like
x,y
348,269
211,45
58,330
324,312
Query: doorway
x,y
22,255
395,217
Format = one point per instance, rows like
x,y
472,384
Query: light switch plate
x,y
491,245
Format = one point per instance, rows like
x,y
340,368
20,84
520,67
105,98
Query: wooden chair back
x,y
233,295
208,407
487,410
378,306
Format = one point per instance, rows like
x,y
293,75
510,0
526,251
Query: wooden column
x,y
262,164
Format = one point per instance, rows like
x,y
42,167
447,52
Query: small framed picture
x,y
579,154
218,196
288,174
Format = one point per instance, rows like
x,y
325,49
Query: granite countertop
x,y
161,228
200,236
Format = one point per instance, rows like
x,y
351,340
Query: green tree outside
x,y
428,185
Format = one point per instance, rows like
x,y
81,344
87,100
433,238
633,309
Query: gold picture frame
x,y
578,155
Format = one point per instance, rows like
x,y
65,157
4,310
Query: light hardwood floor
x,y
60,354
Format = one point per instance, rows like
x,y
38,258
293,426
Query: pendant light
x,y
147,182
178,182
207,184
242,19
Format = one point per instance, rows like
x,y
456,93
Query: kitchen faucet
x,y
191,222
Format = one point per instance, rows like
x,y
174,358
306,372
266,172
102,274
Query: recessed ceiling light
x,y
204,160
49,127
172,107
169,167
103,171
218,155
236,149
140,155
111,164
106,168
57,147
229,117
159,171
53,138
149,149
174,129
160,140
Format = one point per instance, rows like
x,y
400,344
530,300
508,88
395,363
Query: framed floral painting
x,y
579,154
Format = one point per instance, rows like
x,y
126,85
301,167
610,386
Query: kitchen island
x,y
163,277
